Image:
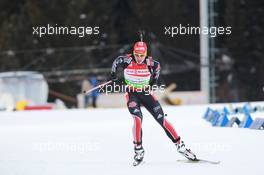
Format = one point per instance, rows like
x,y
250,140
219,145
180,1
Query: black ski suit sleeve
x,y
155,73
118,66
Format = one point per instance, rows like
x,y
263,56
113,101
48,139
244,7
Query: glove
x,y
152,81
113,77
116,79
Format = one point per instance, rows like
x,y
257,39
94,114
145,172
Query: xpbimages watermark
x,y
147,89
172,31
77,147
80,31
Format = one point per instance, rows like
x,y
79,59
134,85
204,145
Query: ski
x,y
199,161
136,163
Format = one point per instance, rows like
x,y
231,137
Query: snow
x,y
99,141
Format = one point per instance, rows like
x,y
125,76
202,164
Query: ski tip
x,y
199,161
136,163
209,161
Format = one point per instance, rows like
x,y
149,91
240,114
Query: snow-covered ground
x,y
99,141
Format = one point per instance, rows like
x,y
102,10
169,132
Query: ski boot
x,y
185,151
139,155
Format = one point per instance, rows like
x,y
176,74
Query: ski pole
x,y
97,87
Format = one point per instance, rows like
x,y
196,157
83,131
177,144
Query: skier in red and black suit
x,y
139,73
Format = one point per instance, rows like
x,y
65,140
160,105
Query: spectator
x,y
95,93
86,85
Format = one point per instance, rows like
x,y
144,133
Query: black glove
x,y
152,81
113,77
116,79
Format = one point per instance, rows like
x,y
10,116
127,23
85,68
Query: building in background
x,y
30,87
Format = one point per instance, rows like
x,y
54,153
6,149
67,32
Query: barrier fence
x,y
247,116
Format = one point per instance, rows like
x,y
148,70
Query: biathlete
x,y
141,71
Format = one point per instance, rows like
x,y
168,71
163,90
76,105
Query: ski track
x,y
99,141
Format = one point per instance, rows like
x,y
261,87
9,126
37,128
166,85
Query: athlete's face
x,y
139,57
